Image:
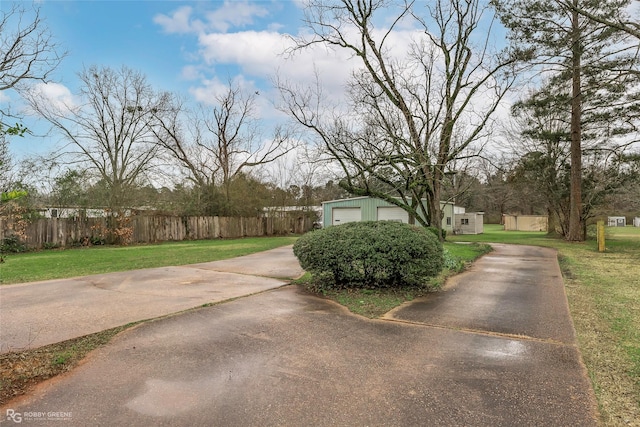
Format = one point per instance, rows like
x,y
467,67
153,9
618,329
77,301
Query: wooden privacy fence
x,y
65,232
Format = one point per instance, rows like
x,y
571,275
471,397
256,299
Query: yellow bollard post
x,y
601,245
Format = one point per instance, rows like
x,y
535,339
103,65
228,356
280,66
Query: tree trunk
x,y
434,203
575,213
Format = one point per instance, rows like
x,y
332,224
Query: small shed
x,y
617,221
525,222
636,221
336,212
469,223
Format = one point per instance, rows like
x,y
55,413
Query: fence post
x,y
601,243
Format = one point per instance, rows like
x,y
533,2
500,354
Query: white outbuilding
x,y
617,221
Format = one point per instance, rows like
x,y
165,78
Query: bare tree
x,y
412,115
108,127
216,144
28,53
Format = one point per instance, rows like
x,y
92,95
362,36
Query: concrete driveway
x,y
41,313
287,358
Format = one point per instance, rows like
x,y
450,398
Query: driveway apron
x,y
41,313
514,290
287,358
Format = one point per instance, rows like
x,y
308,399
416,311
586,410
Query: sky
x,y
192,48
178,45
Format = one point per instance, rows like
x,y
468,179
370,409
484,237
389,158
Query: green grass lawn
x,y
55,264
604,298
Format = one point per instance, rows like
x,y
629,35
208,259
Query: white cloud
x,y
254,51
211,89
234,14
257,55
230,14
207,91
179,21
191,72
55,95
261,53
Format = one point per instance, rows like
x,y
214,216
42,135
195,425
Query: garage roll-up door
x,y
344,215
392,213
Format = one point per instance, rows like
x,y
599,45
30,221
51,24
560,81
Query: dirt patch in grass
x,y
373,303
20,371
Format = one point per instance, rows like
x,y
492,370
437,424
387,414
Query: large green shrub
x,y
12,244
370,254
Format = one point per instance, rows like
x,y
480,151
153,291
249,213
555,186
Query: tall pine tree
x,y
594,64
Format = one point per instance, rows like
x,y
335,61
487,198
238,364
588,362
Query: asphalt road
x,y
483,352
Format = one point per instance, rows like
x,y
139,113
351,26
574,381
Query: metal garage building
x,y
336,212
